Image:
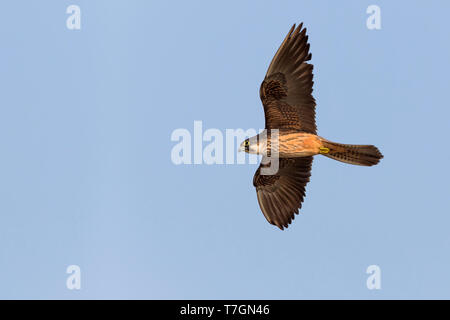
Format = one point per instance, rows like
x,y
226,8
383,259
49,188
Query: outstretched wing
x,y
286,92
281,195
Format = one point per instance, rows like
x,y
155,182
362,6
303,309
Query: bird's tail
x,y
363,155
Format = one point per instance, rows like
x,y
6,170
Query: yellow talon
x,y
323,150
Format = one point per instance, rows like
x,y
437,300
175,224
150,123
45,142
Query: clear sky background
x,y
86,176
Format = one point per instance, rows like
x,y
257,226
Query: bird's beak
x,y
241,148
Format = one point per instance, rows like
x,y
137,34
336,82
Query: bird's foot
x,y
324,150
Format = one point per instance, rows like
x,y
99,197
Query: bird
x,y
290,135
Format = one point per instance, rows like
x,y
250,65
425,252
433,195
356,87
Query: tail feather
x,y
363,155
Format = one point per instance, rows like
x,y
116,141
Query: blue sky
x,y
86,176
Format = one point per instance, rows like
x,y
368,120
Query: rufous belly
x,y
299,144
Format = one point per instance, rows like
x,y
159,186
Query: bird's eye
x,y
246,143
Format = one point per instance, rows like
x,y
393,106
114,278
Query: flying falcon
x,y
289,107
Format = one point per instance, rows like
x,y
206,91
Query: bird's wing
x,y
281,195
286,92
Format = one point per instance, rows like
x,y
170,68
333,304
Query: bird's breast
x,y
298,144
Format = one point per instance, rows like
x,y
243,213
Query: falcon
x,y
290,135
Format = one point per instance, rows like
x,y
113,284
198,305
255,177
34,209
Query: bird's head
x,y
254,145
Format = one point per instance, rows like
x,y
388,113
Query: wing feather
x,y
281,195
286,92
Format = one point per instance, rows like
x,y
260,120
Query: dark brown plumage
x,y
281,195
286,94
289,107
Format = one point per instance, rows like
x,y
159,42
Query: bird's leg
x,y
324,150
